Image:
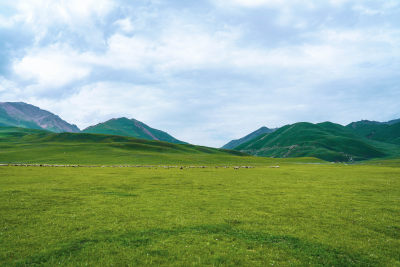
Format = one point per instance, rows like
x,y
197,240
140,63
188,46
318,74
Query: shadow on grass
x,y
310,253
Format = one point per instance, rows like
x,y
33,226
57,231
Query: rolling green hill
x,y
393,121
19,145
131,128
385,132
24,115
234,143
327,141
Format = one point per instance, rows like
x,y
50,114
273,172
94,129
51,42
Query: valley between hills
x,y
121,193
358,141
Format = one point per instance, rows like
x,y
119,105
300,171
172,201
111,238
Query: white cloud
x,y
382,8
101,101
204,75
338,2
276,4
77,16
176,48
7,86
125,25
183,49
255,3
6,22
52,66
65,11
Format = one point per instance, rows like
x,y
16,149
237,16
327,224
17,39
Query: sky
x,y
204,71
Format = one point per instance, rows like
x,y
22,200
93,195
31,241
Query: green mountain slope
x,y
131,128
393,121
234,143
385,132
19,145
327,141
24,115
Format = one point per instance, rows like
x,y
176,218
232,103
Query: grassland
x,y
296,215
307,212
19,145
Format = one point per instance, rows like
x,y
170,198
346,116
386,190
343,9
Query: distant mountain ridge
x,y
234,143
131,128
327,141
361,140
24,115
20,114
393,121
380,131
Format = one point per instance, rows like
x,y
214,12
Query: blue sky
x,y
204,71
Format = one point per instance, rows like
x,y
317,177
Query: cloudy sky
x,y
204,71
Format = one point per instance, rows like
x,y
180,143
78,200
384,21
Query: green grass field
x,y
18,145
295,215
307,212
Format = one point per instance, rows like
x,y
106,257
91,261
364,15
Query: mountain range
x,y
131,128
234,143
379,131
24,115
19,114
361,140
328,141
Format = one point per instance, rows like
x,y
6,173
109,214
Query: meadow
x,y
19,145
306,212
296,215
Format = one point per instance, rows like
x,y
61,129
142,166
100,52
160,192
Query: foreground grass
x,y
334,215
